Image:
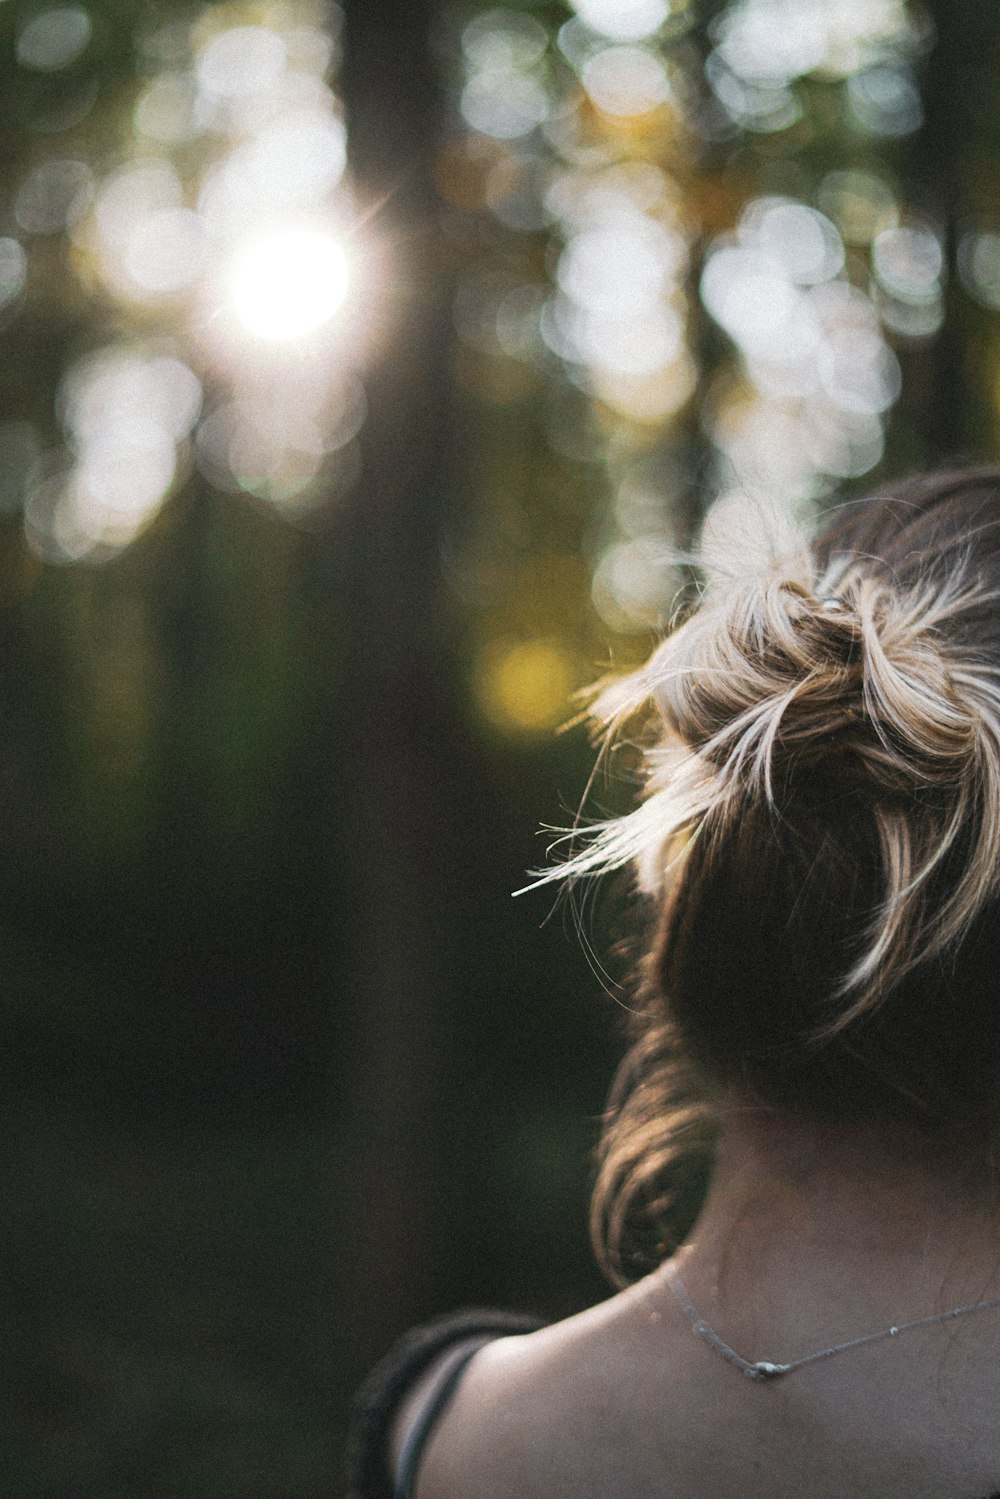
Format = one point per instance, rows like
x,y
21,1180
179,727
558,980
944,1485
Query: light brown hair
x,y
818,843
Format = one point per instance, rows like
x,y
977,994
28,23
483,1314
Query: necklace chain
x,y
766,1368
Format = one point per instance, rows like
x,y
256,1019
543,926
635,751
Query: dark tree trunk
x,y
959,117
408,796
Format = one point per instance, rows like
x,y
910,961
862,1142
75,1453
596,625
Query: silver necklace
x,y
765,1368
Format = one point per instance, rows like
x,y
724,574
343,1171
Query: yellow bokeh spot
x,y
526,685
648,399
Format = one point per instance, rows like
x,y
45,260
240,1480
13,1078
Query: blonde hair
x,y
772,675
839,709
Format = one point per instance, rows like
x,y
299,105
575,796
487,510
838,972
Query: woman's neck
x,y
828,1222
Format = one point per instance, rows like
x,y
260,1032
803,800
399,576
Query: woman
x,y
818,848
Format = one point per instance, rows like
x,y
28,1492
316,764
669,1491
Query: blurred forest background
x,y
362,367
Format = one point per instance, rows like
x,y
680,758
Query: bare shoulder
x,y
540,1412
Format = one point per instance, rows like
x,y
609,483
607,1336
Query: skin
x,y
810,1235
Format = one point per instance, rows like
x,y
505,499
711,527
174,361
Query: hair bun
x,y
776,675
787,672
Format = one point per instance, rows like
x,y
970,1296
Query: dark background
x,y
285,1069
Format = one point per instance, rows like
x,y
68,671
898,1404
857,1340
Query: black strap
x,y
416,1438
379,1399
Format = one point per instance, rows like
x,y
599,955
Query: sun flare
x,y
289,284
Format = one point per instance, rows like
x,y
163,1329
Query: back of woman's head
x,y
819,841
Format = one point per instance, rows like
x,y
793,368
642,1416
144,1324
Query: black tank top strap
x,y
419,1432
379,1399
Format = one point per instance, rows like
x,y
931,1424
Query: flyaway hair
x,y
779,677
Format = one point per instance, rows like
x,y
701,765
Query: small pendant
x,y
764,1369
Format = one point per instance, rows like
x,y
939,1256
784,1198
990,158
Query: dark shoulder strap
x,y
416,1438
379,1399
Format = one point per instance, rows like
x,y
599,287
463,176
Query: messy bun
x,y
796,679
819,842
